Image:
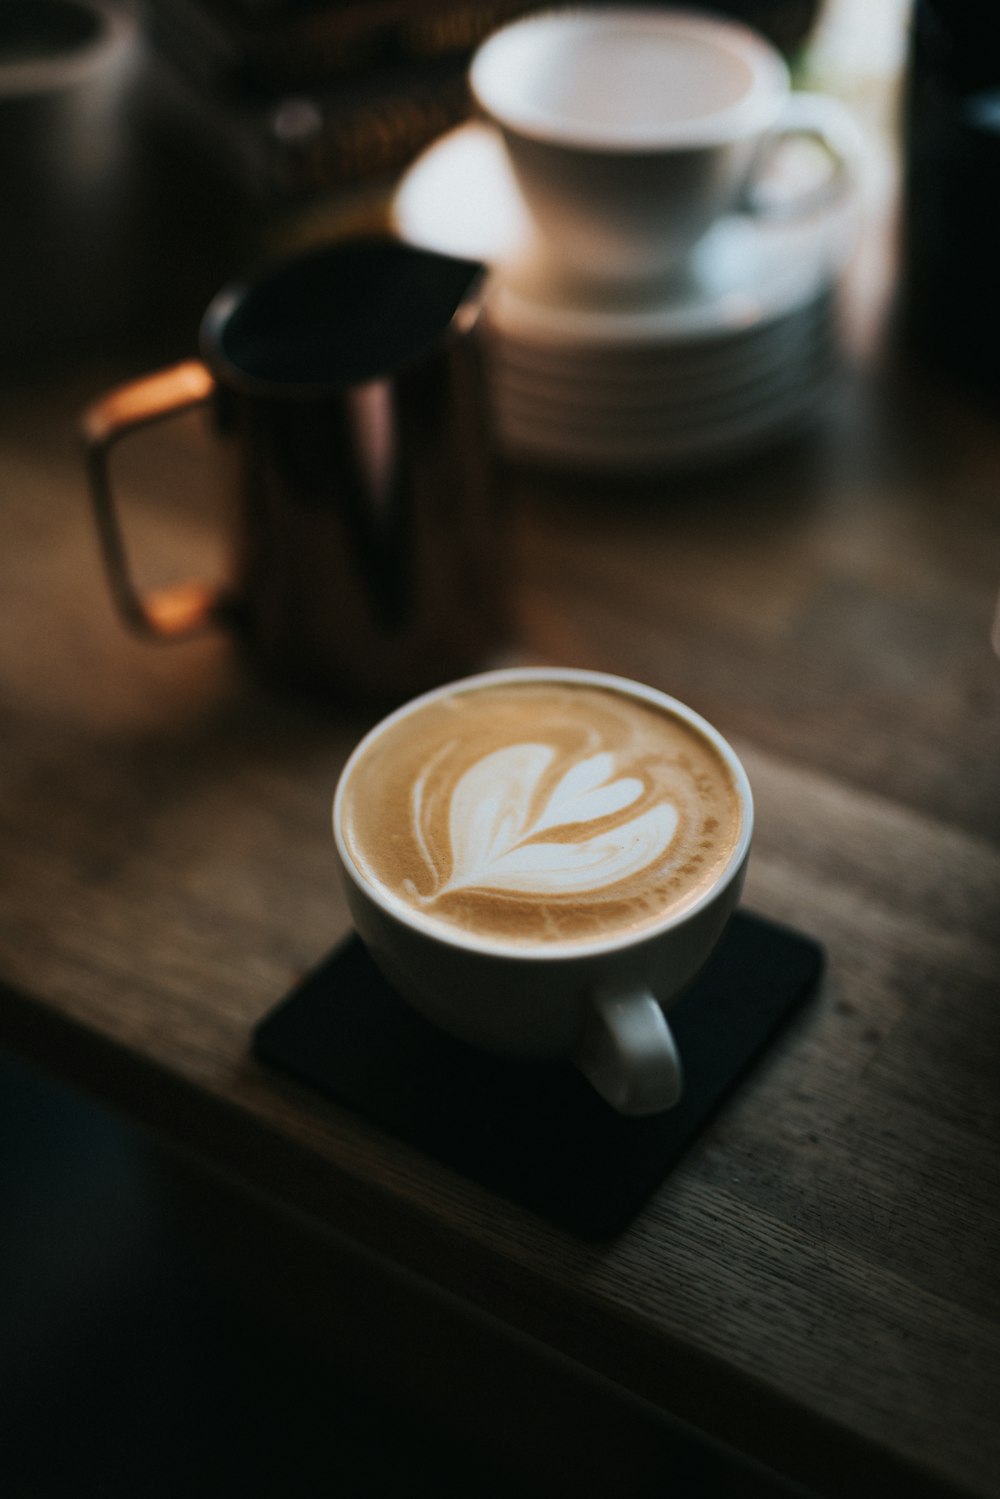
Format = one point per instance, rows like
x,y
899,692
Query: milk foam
x,y
541,811
496,843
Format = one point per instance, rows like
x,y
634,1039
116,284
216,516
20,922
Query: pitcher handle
x,y
182,609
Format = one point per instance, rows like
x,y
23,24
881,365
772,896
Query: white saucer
x,y
656,408
642,441
738,435
717,363
460,198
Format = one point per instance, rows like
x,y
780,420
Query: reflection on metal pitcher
x,y
350,385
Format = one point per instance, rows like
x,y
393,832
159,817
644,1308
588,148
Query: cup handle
x,y
184,608
628,1053
825,120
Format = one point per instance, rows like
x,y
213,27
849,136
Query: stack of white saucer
x,y
743,350
745,353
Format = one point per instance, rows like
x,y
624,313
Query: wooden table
x,y
817,1284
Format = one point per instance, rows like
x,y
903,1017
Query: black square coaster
x,y
537,1132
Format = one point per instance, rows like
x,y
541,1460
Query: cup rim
x,y
440,931
753,111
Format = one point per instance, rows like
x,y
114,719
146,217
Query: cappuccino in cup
x,y
532,812
539,860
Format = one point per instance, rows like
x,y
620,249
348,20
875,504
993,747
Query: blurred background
x,y
152,150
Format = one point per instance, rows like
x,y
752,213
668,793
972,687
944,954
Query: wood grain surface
x,y
817,1285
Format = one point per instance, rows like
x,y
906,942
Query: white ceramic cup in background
x,y
597,1000
630,131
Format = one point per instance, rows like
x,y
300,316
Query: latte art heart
x,y
539,811
497,844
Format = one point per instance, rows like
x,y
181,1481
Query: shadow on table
x,y
125,1369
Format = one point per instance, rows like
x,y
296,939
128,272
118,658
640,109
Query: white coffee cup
x,y
631,131
599,1004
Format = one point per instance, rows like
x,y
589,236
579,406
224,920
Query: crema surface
x,y
534,812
